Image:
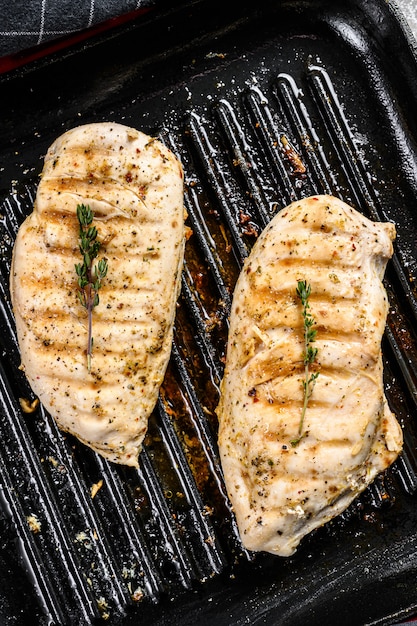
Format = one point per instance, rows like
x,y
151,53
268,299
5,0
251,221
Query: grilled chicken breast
x,y
134,186
280,489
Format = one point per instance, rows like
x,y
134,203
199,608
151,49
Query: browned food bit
x,y
293,156
28,406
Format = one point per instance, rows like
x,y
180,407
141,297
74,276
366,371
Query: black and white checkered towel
x,y
27,23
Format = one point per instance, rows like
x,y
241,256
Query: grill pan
x,y
243,94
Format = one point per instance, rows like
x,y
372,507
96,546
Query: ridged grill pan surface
x,y
243,94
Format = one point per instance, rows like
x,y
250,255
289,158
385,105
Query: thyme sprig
x,y
303,292
90,275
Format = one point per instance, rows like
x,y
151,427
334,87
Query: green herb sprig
x,y
90,276
303,292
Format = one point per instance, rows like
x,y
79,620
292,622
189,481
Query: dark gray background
x,y
28,23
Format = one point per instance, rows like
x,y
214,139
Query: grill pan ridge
x,y
260,93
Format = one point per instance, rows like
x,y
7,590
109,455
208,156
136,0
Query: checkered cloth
x,y
27,23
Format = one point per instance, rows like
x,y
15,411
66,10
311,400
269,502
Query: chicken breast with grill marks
x,y
134,186
280,489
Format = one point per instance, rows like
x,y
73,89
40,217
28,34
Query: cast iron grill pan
x,y
263,106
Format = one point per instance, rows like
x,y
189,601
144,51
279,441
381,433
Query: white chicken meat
x,y
282,488
134,186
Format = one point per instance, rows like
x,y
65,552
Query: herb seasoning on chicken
x,y
281,491
134,187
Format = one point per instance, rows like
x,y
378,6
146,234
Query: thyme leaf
x,y
90,275
303,292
